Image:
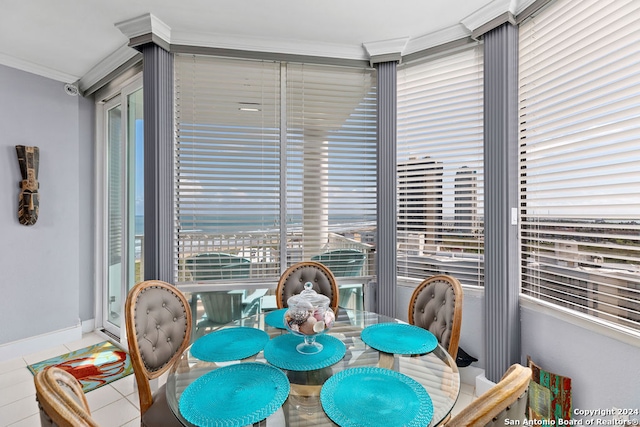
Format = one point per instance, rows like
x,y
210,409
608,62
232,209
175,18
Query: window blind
x,y
440,167
275,164
331,166
580,159
227,168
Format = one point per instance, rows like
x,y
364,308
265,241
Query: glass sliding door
x,y
123,224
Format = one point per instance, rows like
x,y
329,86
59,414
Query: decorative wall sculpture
x,y
29,199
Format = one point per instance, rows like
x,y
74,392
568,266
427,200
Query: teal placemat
x,y
399,338
276,318
229,344
281,352
235,395
375,397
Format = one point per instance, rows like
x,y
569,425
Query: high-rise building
x,y
466,201
420,199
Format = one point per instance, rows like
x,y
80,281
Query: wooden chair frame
x,y
334,299
142,374
490,404
457,310
64,410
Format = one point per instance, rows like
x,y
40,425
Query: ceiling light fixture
x,y
249,106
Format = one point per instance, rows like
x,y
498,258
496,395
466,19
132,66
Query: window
x,y
440,167
121,204
228,168
579,161
275,164
331,166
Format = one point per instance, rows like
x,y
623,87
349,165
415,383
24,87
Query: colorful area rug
x,y
93,366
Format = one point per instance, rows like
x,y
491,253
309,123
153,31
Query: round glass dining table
x,y
436,371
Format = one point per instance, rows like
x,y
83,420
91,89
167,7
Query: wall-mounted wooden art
x,y
29,199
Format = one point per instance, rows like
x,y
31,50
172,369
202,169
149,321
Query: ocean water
x,y
246,225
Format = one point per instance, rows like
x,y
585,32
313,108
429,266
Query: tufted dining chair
x,y
436,305
61,400
507,400
294,278
158,320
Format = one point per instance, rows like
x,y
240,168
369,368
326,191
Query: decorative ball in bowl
x,y
309,315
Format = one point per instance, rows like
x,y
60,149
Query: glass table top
x,y
436,371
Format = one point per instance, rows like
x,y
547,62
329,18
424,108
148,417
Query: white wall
x,y
46,270
604,365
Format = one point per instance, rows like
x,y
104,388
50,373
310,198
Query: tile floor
x,y
113,405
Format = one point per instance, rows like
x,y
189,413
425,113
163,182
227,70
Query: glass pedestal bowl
x,y
308,316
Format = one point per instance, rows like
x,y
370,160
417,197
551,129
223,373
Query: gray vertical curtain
x,y
387,148
502,284
158,163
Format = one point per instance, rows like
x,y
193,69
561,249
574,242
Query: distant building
x,y
420,199
466,201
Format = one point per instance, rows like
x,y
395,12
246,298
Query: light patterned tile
x,y
467,389
32,421
133,423
18,411
45,354
464,399
102,397
17,391
86,341
116,414
12,365
126,385
134,399
11,378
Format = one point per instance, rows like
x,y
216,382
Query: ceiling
x,y
68,40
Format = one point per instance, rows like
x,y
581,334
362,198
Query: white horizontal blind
x,y
580,157
440,167
331,166
227,168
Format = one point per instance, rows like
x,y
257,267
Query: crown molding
x,y
486,14
264,45
123,54
437,38
144,25
30,67
519,6
386,50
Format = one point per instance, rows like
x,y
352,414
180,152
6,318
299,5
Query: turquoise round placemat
x,y
235,395
281,352
276,318
399,338
375,397
229,344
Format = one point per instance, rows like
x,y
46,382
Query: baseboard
x,y
483,384
88,326
37,343
468,375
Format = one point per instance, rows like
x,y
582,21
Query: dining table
x,y
364,373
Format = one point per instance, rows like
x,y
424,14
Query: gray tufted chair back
x,y
293,279
436,305
61,400
158,319
507,399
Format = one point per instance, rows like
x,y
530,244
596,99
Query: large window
x,y
580,158
275,164
440,167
